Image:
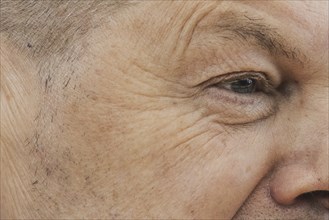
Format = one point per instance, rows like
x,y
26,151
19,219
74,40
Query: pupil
x,y
244,86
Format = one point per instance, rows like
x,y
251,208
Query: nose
x,y
300,182
303,171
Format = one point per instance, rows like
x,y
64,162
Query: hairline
x,y
46,28
51,34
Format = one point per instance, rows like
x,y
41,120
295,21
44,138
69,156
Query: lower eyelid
x,y
223,94
238,109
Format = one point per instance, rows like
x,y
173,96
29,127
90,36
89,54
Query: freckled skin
x,y
128,136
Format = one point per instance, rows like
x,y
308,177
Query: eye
x,y
246,83
240,97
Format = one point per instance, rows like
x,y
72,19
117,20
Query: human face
x,y
164,122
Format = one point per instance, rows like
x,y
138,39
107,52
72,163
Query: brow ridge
x,y
245,28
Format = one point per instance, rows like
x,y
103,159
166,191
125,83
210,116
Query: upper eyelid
x,y
235,76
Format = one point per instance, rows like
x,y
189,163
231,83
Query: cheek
x,y
155,156
167,154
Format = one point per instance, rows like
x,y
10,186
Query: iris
x,y
246,85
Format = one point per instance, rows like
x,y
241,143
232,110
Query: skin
x,y
132,133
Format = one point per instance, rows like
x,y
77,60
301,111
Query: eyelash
x,y
262,83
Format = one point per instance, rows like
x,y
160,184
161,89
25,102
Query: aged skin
x,y
159,119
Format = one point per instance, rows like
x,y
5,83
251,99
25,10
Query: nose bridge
x,y
311,143
304,164
313,122
319,143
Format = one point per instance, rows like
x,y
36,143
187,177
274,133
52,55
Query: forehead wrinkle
x,y
235,27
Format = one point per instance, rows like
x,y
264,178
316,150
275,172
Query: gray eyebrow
x,y
254,30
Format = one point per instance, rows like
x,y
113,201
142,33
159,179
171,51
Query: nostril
x,y
320,196
323,198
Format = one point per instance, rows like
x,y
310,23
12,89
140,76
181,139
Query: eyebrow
x,y
254,30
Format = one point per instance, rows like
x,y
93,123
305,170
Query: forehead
x,y
300,11
302,24
308,17
303,21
